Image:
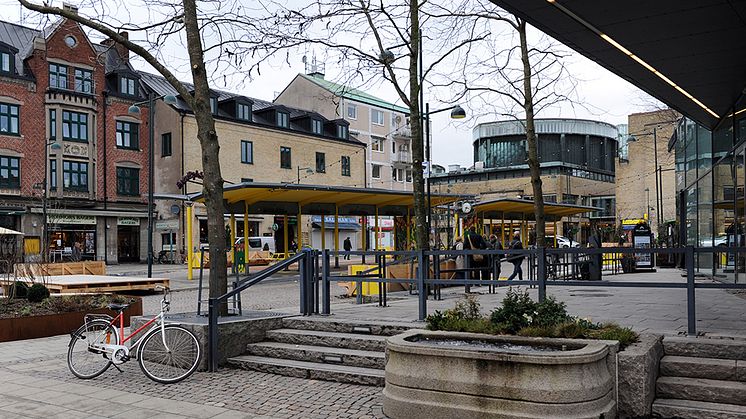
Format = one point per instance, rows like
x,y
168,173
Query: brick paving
x,y
28,366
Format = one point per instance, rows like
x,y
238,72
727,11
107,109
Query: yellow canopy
x,y
519,209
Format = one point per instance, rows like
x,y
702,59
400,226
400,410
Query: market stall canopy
x,y
8,232
520,209
286,199
690,55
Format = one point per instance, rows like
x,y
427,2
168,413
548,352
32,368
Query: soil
x,y
11,308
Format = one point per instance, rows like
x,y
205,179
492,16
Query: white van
x,y
259,243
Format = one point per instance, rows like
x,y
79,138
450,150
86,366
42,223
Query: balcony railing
x,y
85,88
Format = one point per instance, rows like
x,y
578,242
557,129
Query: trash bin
x,y
595,261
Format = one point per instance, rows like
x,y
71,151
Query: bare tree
x,y
178,18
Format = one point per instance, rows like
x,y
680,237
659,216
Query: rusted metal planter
x,y
31,327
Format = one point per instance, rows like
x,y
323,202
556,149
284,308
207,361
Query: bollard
x,y
691,315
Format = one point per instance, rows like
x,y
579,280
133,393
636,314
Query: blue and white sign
x,y
329,219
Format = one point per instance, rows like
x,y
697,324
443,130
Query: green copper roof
x,y
354,94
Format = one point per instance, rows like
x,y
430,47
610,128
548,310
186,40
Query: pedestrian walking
x,y
348,247
475,241
517,259
496,259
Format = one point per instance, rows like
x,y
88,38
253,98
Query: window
x,y
409,176
376,174
342,131
317,127
282,119
75,176
397,175
8,119
214,105
128,181
10,168
345,165
83,81
352,111
376,117
57,76
52,174
6,61
247,152
320,162
376,143
127,86
168,241
393,147
74,126
285,160
127,135
166,144
52,124
243,111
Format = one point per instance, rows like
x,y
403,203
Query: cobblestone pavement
x,y
28,367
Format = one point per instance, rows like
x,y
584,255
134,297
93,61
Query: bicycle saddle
x,y
117,306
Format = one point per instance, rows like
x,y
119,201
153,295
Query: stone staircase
x,y
701,378
323,349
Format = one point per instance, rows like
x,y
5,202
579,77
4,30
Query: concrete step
x,y
325,324
330,339
709,368
310,370
705,347
688,409
320,354
700,389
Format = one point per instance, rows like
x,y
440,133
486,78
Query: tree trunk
x,y
533,155
418,180
208,139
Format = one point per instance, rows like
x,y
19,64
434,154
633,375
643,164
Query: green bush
x,y
570,330
611,331
517,311
37,293
19,290
550,312
537,331
464,317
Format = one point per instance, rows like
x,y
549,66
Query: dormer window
x,y
214,105
243,111
282,119
317,127
127,86
342,131
6,62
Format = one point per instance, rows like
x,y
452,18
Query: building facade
x,y
259,142
69,145
577,166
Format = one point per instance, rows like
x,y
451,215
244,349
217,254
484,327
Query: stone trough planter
x,y
457,375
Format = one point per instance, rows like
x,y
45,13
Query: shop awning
x,y
8,232
289,199
520,209
342,226
690,55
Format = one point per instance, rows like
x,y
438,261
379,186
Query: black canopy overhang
x,y
699,45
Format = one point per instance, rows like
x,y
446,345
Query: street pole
x,y
657,188
429,169
151,133
45,225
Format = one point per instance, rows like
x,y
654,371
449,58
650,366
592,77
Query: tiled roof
x,y
354,94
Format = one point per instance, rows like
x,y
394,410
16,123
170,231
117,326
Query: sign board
x,y
167,225
642,239
632,222
275,227
71,219
329,220
128,221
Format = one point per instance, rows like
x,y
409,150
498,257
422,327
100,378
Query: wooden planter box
x,y
31,327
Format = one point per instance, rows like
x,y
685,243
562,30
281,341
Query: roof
x,y
519,209
354,94
162,87
688,54
546,126
284,198
20,38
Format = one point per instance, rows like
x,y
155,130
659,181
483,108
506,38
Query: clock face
x,y
70,41
466,207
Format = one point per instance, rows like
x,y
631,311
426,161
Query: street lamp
x,y
55,146
647,209
134,109
309,171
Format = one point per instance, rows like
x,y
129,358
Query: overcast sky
x,y
608,97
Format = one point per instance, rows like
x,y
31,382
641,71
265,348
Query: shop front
x,y
347,227
68,231
128,239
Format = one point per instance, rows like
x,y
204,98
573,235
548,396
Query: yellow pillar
x,y
456,225
377,229
189,250
336,230
246,237
299,223
555,234
394,230
323,232
285,236
502,230
233,238
364,219
409,230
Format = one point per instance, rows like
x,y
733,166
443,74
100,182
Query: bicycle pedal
x,y
117,367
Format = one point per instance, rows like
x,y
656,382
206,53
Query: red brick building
x,y
64,104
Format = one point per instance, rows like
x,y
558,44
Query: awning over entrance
x,y
521,209
690,55
290,199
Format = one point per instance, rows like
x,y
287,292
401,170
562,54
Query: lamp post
x,y
51,145
647,208
308,170
135,110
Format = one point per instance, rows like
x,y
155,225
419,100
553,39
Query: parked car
x,y
562,242
259,243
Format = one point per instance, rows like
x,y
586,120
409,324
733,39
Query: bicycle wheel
x,y
172,363
88,363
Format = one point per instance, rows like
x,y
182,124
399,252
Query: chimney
x,y
70,8
122,51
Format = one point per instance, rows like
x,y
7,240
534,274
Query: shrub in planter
x,y
37,293
19,290
517,311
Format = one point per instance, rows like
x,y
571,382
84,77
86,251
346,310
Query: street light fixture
x,y
53,146
134,109
309,171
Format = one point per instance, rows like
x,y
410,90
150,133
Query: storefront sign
x,y
329,219
128,221
71,219
167,225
